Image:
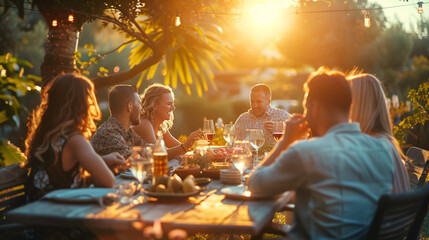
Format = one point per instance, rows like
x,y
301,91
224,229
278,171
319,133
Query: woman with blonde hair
x,y
157,116
370,110
57,146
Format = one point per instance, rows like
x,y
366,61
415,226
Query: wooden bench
x,y
12,189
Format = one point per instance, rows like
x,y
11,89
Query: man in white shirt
x,y
261,115
338,175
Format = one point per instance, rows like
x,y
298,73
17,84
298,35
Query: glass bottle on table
x,y
160,159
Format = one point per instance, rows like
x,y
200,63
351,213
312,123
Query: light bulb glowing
x,y
71,18
420,8
177,22
367,21
54,23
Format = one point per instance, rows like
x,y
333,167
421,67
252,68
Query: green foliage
x,y
415,74
10,154
420,103
83,66
14,84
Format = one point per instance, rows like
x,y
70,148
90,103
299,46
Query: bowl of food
x,y
184,171
202,181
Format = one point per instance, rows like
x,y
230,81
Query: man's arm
x,y
286,173
110,141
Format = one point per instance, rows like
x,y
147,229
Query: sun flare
x,y
265,14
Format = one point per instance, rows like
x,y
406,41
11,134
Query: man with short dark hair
x,y
116,134
261,115
338,175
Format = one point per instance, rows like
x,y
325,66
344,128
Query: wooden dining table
x,y
209,211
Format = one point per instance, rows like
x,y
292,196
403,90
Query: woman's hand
x,y
115,161
194,136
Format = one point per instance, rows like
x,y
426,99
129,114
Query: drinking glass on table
x,y
242,155
278,130
229,133
256,139
140,162
208,129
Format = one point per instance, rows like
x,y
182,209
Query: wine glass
x,y
141,160
242,155
208,129
256,139
278,130
229,133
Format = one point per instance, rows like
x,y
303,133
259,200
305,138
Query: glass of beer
x,y
160,167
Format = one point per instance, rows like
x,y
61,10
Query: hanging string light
x,y
71,18
177,21
54,23
367,20
420,8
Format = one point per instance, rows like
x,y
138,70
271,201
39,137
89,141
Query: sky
x,y
406,14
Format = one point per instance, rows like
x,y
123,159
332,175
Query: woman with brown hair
x,y
57,144
157,115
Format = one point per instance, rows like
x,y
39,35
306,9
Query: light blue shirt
x,y
338,180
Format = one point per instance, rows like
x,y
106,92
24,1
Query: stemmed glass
x,y
278,130
208,129
242,155
256,139
141,160
229,133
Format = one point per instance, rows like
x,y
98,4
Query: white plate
x,y
237,192
80,195
170,196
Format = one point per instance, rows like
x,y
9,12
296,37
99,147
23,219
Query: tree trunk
x,y
59,56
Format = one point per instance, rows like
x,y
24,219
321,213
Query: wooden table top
x,y
207,212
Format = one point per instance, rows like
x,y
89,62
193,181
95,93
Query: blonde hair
x,y
68,106
150,100
369,108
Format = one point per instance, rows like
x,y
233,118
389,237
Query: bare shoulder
x,y
144,125
77,141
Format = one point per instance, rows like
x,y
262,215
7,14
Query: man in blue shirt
x,y
338,175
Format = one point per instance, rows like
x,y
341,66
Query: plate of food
x,y
173,188
168,196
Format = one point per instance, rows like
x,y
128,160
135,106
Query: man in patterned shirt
x,y
261,115
116,135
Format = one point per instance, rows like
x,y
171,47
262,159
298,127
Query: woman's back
x,y
56,145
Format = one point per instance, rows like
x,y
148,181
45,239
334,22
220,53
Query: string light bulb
x,y
71,18
54,23
367,20
177,21
420,8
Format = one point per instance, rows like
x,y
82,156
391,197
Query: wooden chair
x,y
12,189
417,166
12,195
401,215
